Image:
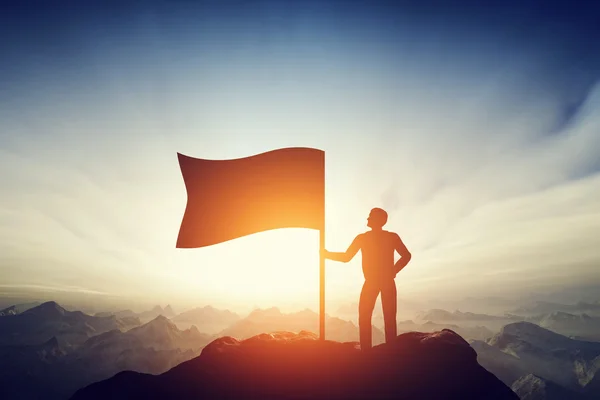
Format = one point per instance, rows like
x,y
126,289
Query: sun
x,y
272,268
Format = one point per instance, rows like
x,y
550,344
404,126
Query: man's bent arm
x,y
348,254
405,255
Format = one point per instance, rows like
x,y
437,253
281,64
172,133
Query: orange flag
x,y
228,199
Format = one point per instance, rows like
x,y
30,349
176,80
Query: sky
x,y
477,127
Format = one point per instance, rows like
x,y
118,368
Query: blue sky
x,y
476,127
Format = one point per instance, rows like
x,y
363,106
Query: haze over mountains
x,y
543,307
207,319
272,320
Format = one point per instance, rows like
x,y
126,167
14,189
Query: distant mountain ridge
x,y
272,320
71,328
53,371
437,314
546,307
524,348
143,316
476,332
207,319
161,333
583,326
18,308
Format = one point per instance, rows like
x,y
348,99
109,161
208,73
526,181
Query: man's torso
x,y
377,249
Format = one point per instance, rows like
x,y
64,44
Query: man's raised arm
x,y
348,254
405,255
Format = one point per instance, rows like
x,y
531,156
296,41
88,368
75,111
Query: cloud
x,y
473,168
526,218
46,288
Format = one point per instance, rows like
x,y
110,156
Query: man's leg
x,y
368,296
389,305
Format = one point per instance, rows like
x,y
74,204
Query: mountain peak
x,y
161,326
524,328
440,365
267,312
168,310
520,326
306,313
527,332
161,320
47,309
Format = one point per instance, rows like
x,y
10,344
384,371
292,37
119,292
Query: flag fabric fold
x,y
228,199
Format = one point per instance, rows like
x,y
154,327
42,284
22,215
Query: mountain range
x,y
143,316
39,324
467,332
531,387
546,307
18,308
473,326
207,319
48,352
523,348
443,315
581,326
272,319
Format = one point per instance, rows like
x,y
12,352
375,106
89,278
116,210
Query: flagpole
x,y
322,284
322,266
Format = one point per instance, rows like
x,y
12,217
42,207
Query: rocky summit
x,y
283,365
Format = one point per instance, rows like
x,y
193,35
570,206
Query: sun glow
x,y
274,267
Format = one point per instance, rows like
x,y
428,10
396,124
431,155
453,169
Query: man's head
x,y
377,218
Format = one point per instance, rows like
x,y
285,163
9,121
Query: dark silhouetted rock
x,y
285,365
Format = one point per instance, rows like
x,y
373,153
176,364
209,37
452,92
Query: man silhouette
x,y
377,247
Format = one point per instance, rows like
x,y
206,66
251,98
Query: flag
x,y
228,199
